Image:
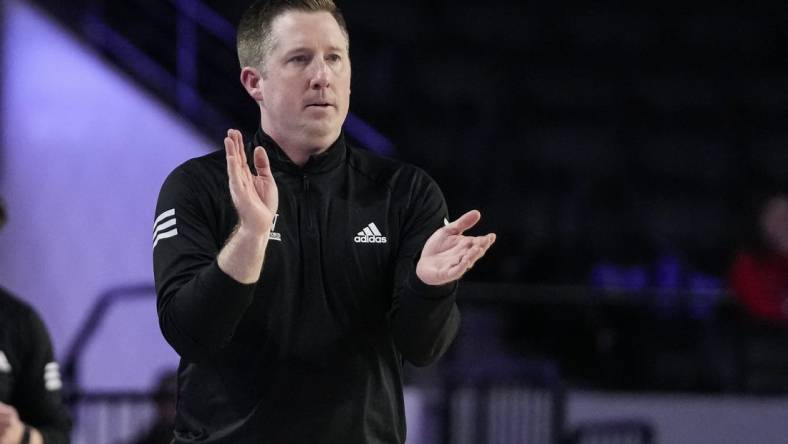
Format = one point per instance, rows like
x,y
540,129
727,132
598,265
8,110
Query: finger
x,y
228,146
234,171
239,143
233,147
480,249
232,157
487,240
468,242
474,255
457,270
464,222
229,150
241,147
261,163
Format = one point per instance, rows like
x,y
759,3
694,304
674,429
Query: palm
x,y
448,253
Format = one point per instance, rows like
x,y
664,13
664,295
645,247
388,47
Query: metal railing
x,y
184,52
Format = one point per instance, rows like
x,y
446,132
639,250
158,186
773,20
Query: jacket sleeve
x,y
38,397
199,306
425,318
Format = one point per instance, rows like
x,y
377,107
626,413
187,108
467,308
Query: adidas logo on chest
x,y
370,235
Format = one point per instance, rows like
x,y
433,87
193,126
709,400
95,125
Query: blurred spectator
x,y
759,277
31,407
160,432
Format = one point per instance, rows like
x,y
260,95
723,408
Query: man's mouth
x,y
320,104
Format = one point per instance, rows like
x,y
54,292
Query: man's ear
x,y
252,80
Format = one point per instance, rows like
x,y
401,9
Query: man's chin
x,y
322,133
322,127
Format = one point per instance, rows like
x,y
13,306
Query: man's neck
x,y
299,156
299,151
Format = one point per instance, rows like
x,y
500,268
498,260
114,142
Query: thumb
x,y
464,222
261,163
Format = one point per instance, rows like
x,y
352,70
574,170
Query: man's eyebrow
x,y
297,49
308,49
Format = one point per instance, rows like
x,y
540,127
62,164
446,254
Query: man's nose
x,y
320,75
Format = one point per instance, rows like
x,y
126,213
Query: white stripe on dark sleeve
x,y
164,226
163,216
165,235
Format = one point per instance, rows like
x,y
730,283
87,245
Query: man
x,y
31,408
295,293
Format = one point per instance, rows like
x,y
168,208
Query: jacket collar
x,y
325,161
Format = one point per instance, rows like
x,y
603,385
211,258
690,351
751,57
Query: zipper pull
x,y
305,182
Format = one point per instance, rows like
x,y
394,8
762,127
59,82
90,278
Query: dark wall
x,y
586,133
602,132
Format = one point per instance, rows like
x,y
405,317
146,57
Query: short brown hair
x,y
254,30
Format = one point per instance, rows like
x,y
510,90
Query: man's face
x,y
306,80
774,223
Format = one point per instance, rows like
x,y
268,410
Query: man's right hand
x,y
256,198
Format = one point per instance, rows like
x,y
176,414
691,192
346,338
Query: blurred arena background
x,y
619,150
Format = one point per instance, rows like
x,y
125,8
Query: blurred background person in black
x,y
31,408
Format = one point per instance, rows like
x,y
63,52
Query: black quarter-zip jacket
x,y
313,352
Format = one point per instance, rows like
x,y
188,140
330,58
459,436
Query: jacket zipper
x,y
309,216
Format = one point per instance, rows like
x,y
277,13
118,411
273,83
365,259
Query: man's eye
x,y
298,59
333,58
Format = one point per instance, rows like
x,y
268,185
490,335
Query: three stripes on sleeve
x,y
164,226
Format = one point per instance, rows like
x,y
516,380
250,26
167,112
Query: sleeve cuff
x,y
425,291
222,283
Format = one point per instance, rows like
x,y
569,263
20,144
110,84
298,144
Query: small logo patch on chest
x,y
275,235
370,235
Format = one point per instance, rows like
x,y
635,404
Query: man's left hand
x,y
448,254
11,428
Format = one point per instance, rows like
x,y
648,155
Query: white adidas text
x,y
370,235
370,239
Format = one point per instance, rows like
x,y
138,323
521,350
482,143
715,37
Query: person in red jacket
x,y
759,277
